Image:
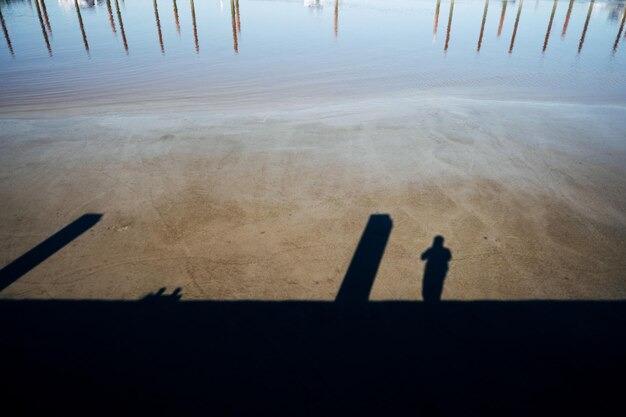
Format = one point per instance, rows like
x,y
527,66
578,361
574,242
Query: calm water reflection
x,y
108,50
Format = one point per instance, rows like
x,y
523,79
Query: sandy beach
x,y
529,196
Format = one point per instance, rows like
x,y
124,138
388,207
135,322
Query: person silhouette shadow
x,y
437,258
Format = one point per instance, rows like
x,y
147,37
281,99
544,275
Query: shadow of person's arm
x,y
425,254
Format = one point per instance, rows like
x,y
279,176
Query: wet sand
x,y
530,197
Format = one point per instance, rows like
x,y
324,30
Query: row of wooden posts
x,y
46,29
517,20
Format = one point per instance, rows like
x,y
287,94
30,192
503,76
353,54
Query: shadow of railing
x,y
312,358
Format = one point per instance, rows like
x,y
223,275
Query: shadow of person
x,y
437,258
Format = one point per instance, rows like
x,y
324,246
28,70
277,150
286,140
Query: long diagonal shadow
x,y
22,265
358,281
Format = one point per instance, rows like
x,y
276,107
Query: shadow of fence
x,y
312,358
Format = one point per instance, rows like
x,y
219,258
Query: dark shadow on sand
x,y
359,279
312,358
16,269
162,356
437,258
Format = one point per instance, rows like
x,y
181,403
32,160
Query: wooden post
x,y
519,12
195,28
449,26
234,23
569,13
482,26
545,42
336,17
82,27
110,12
43,29
502,17
582,37
45,16
176,18
158,23
6,34
119,18
619,34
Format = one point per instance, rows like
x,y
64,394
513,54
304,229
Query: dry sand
x,y
530,197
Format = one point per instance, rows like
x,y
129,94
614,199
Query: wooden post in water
x,y
567,16
545,42
237,15
110,12
449,26
43,29
6,33
176,18
195,28
436,19
158,23
45,15
582,37
519,12
502,17
82,27
482,26
619,34
119,19
336,17
234,23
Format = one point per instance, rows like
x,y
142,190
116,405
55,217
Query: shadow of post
x,y
358,281
22,265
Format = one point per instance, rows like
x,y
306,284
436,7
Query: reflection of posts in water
x,y
619,34
195,28
359,279
6,33
436,19
158,23
237,16
519,12
336,17
232,13
482,26
176,18
119,19
582,37
502,18
43,29
545,42
82,27
45,15
110,11
435,270
445,48
567,16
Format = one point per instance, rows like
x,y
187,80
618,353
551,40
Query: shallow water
x,y
227,54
